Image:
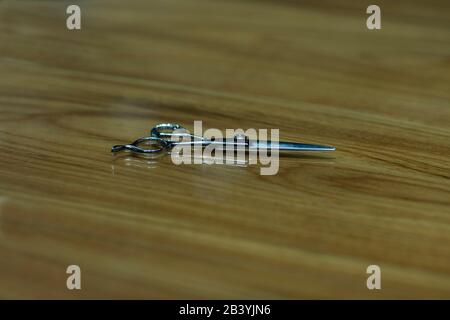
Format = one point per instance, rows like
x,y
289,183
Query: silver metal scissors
x,y
161,141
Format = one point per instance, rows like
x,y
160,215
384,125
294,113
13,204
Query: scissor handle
x,y
164,130
159,146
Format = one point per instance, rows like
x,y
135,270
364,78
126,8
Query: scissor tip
x,y
319,148
323,148
117,148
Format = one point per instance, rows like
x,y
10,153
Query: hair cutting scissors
x,y
163,137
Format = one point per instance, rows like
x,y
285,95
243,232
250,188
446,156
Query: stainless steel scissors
x,y
161,141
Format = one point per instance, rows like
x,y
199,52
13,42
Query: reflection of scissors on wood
x,y
160,142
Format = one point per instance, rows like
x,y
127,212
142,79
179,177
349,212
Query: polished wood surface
x,y
146,229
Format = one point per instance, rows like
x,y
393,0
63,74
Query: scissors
x,y
161,142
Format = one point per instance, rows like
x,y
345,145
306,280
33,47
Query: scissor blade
x,y
303,147
291,146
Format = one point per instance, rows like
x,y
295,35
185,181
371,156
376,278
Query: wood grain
x,y
142,229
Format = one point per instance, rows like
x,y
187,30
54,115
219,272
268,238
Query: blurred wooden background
x,y
141,229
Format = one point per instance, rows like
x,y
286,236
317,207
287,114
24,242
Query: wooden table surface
x,y
149,229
